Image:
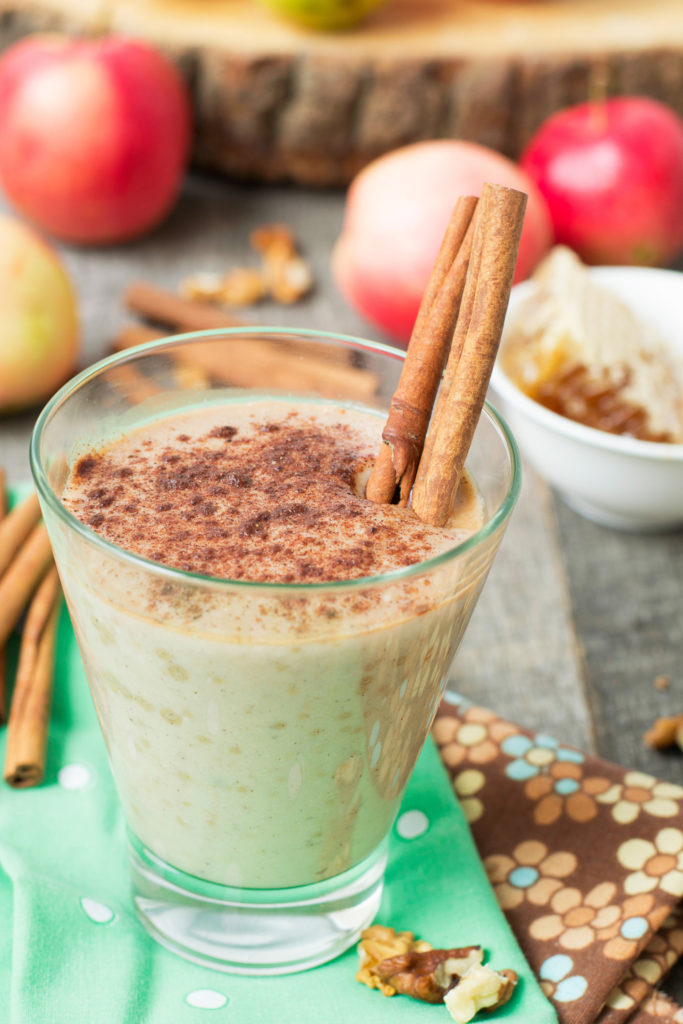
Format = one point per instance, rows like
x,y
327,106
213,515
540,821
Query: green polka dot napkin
x,y
586,860
72,951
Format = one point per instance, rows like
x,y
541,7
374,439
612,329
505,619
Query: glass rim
x,y
48,495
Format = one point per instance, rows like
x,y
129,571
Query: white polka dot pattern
x,y
96,911
206,999
412,824
74,776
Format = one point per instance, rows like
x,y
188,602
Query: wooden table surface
x,y
576,620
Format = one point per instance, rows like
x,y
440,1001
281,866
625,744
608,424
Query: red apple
x,y
612,173
94,135
397,210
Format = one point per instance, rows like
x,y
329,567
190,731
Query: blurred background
x,y
281,104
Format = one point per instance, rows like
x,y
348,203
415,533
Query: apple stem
x,y
597,96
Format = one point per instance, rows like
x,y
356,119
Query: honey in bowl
x,y
580,352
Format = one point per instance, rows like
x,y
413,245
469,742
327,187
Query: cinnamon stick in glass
x,y
32,697
497,230
411,406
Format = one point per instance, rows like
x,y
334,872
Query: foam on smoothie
x,y
267,491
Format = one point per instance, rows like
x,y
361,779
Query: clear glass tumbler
x,y
260,735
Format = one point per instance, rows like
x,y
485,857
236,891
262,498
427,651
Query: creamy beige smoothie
x,y
260,737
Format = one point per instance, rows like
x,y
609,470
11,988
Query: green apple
x,y
325,14
38,318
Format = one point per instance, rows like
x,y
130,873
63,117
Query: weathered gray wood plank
x,y
520,654
627,594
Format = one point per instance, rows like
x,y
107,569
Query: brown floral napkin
x,y
586,860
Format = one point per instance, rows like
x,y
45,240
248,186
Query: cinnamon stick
x,y
188,375
254,362
411,406
134,384
135,334
497,230
25,572
191,377
38,613
290,365
30,710
172,311
15,528
3,652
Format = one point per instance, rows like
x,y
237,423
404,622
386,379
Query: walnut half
x,y
429,975
665,732
378,943
481,988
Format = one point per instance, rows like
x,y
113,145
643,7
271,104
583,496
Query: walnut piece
x,y
283,275
379,943
428,975
289,280
481,988
665,732
275,239
288,276
242,286
204,286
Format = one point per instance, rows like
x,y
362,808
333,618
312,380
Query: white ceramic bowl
x,y
614,480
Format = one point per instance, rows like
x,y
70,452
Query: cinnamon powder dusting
x,y
261,492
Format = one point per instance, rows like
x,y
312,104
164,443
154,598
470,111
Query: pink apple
x,y
38,319
612,173
94,135
397,210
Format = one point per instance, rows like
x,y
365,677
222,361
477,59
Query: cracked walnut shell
x,y
481,988
379,943
428,975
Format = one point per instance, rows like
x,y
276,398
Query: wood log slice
x,y
275,102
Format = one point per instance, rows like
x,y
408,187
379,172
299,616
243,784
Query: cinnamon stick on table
x,y
186,374
411,407
173,311
15,528
497,230
32,697
135,334
22,577
288,364
3,652
133,383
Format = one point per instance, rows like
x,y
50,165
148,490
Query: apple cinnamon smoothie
x,y
260,738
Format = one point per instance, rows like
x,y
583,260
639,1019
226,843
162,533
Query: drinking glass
x,y
260,735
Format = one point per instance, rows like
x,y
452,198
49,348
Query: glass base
x,y
254,931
